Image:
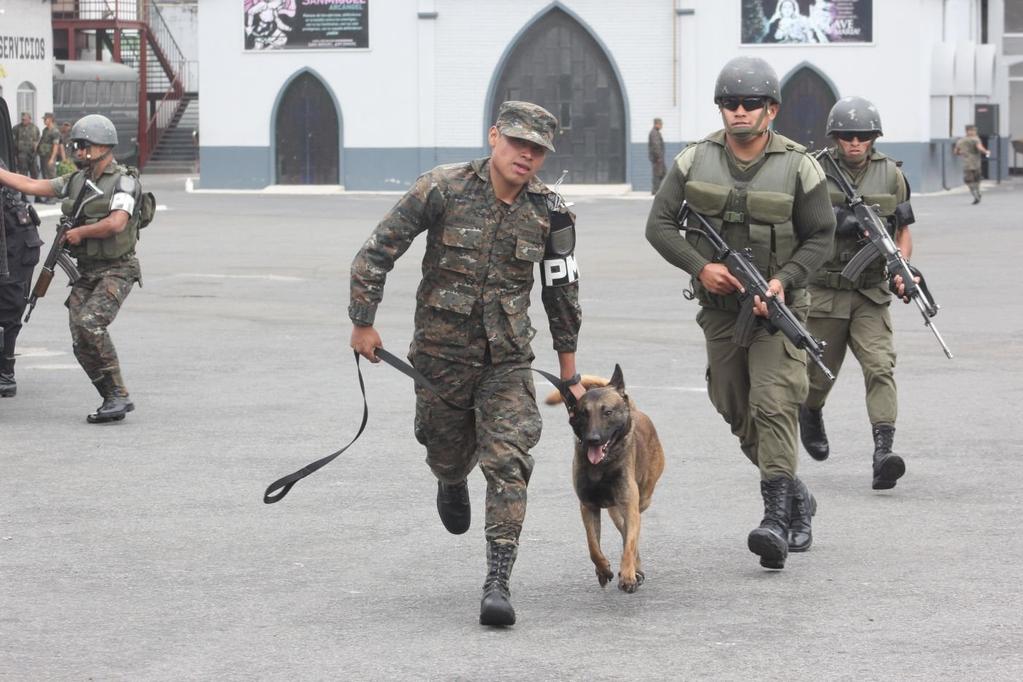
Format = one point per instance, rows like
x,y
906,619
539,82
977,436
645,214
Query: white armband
x,y
123,202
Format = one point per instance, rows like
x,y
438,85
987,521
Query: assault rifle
x,y
58,254
780,317
879,243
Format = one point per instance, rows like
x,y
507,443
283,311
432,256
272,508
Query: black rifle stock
x,y
879,243
58,254
780,316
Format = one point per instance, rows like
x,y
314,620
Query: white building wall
x,y
21,61
422,88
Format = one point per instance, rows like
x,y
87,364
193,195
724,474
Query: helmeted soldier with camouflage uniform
x,y
761,191
855,315
488,224
104,247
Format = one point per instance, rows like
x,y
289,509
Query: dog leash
x,y
276,491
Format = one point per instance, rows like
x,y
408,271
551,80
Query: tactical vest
x,y
116,245
879,187
754,214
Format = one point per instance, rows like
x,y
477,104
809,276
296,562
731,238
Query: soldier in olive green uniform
x,y
970,148
48,148
855,315
488,224
762,192
26,137
104,247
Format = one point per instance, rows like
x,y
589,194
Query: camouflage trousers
x,y
25,163
497,435
93,304
46,171
865,327
757,389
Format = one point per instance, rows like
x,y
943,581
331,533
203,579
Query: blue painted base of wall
x,y
929,166
362,169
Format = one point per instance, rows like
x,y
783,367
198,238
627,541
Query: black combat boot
x,y
801,511
771,540
888,467
453,506
495,607
8,387
811,432
115,399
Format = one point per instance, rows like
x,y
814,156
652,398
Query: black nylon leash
x,y
276,491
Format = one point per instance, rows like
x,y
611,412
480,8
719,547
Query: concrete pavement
x,y
142,550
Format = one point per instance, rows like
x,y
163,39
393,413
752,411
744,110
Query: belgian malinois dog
x,y
618,459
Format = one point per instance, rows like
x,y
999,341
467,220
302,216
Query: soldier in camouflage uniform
x,y
763,192
488,224
26,137
655,150
48,148
855,314
104,247
971,149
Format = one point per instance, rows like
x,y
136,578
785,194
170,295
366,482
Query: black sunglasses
x,y
748,103
850,135
75,145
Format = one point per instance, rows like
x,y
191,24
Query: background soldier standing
x,y
970,148
21,237
487,225
26,138
655,150
855,314
48,148
104,247
763,192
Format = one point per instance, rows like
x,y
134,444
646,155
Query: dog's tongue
x,y
595,453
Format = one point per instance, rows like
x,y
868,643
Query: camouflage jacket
x,y
48,138
477,270
26,137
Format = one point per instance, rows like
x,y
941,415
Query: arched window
x,y
806,100
26,100
557,64
306,133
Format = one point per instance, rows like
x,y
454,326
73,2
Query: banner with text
x,y
807,22
306,24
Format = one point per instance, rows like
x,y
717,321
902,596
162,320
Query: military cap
x,y
527,121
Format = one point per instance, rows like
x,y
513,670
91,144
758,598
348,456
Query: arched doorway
x,y
557,64
806,100
306,134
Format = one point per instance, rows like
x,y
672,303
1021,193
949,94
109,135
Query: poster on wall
x,y
306,24
807,22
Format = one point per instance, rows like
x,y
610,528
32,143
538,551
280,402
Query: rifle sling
x,y
276,491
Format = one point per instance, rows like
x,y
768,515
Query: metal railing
x,y
165,75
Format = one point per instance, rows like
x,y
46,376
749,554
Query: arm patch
x,y
559,266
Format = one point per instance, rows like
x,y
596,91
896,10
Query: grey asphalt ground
x,y
143,550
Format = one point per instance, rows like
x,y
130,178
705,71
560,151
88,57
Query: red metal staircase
x,y
132,32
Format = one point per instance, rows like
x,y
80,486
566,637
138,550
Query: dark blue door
x,y
307,134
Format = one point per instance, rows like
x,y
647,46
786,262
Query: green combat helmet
x,y
747,77
854,114
95,129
